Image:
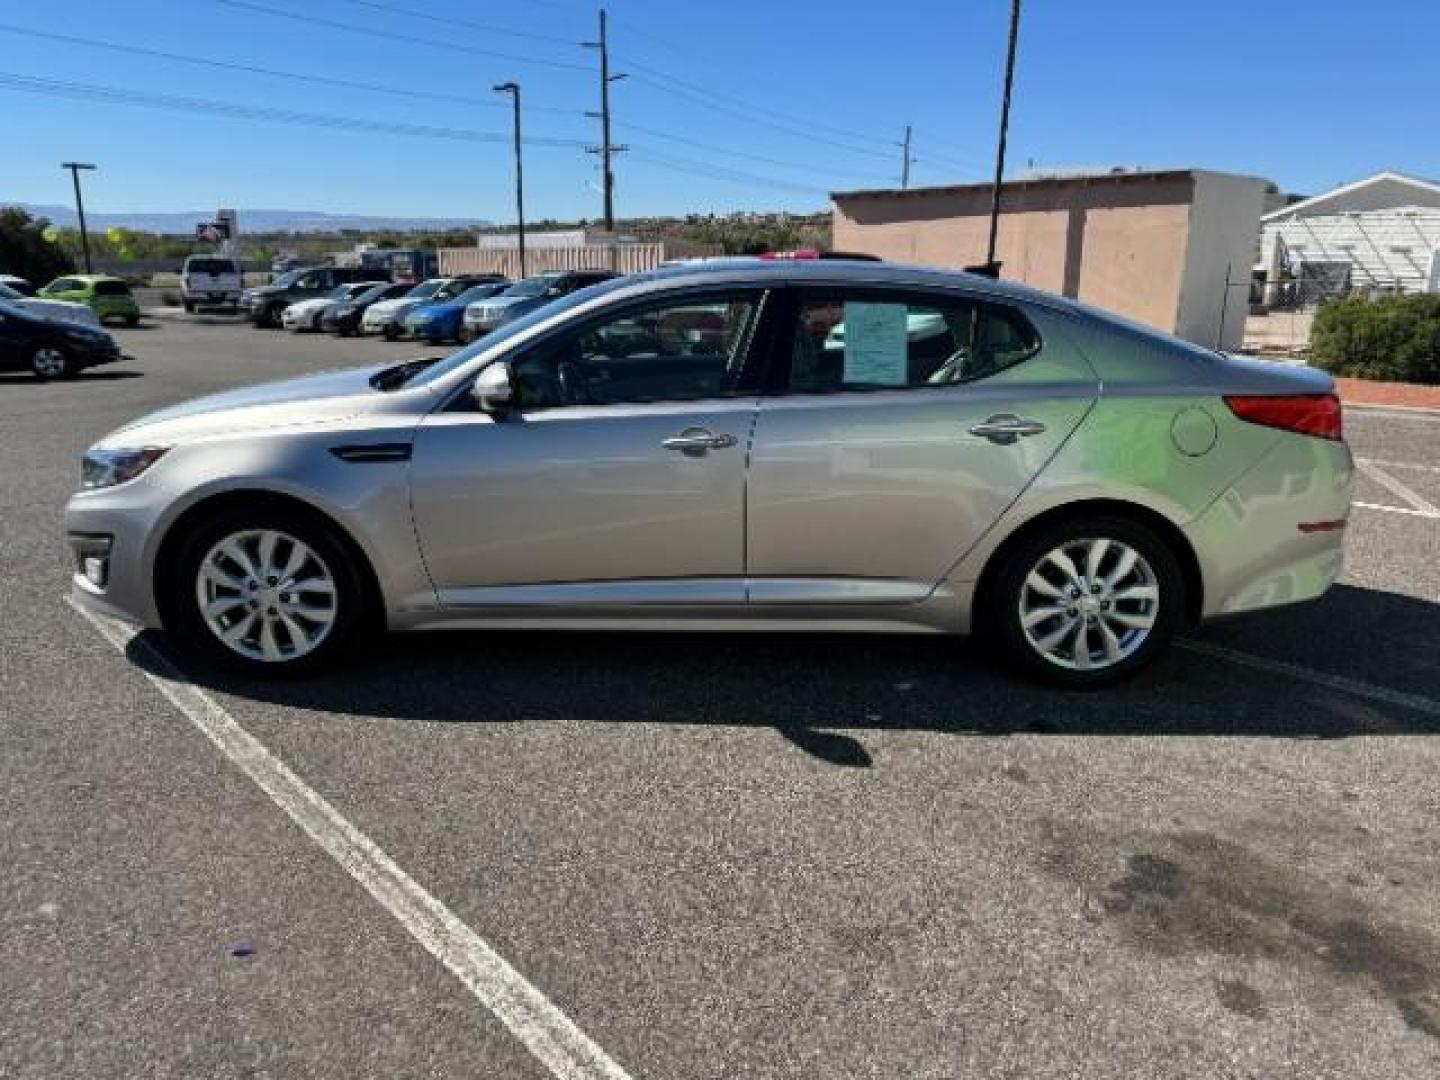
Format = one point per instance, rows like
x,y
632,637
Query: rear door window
x,y
855,341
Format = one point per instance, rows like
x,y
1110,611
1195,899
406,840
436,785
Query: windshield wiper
x,y
392,378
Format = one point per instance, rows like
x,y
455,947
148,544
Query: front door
x,y
904,425
619,477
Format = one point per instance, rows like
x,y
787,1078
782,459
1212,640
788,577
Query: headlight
x,y
103,467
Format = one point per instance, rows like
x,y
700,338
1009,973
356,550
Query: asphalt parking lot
x,y
711,856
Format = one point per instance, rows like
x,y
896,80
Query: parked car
x,y
344,319
48,348
265,304
54,310
1071,486
210,281
385,317
108,297
307,314
17,284
524,297
440,321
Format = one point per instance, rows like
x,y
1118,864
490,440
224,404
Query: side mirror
x,y
493,391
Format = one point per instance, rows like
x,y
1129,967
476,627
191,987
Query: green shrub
x,y
1395,338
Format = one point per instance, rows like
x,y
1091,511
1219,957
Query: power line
x,y
798,132
276,73
678,51
720,172
112,95
683,140
489,28
209,106
392,36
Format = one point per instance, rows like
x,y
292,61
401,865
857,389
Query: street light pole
x,y
513,89
75,167
991,267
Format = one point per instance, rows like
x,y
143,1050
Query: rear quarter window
x,y
209,266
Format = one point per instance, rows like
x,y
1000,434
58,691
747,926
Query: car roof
x,y
742,269
92,277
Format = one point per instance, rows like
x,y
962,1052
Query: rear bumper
x,y
1269,539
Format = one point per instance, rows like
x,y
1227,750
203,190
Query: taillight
x,y
1304,414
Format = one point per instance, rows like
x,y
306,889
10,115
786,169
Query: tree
x,y
25,250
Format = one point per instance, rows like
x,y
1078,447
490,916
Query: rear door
x,y
903,424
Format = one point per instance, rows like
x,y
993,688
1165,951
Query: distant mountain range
x,y
251,221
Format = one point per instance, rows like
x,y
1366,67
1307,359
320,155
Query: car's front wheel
x,y
51,362
267,591
1087,601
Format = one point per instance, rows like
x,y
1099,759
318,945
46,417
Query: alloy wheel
x,y
266,595
1089,603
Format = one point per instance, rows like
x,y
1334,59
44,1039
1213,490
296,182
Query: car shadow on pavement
x,y
24,378
823,691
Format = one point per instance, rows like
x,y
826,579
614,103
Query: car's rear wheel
x,y
266,591
51,362
1087,601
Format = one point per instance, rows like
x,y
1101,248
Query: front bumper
x,y
112,525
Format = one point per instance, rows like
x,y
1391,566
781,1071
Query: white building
x,y
1377,235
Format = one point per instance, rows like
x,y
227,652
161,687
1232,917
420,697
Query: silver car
x,y
745,446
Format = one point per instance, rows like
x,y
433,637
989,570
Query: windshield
x,y
7,293
477,292
375,292
285,280
425,289
512,329
340,293
534,286
209,266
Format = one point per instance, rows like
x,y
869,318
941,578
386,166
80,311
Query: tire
x,y
132,321
188,306
465,335
1128,610
52,362
310,627
391,332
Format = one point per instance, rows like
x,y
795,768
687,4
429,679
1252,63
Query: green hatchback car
x,y
108,297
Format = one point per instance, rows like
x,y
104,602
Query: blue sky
x,y
815,94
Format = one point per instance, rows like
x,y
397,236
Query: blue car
x,y
441,320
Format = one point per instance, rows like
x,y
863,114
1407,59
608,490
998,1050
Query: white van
x,y
209,281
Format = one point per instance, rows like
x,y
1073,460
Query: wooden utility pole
x,y
606,148
905,160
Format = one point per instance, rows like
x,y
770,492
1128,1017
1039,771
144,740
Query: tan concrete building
x,y
1153,246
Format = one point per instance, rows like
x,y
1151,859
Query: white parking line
x,y
1397,464
1409,494
1353,687
545,1031
1395,510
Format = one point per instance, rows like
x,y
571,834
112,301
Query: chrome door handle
x,y
697,441
1005,428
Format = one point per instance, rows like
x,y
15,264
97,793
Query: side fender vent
x,y
372,453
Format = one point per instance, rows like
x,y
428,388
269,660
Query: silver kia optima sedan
x,y
736,446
